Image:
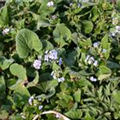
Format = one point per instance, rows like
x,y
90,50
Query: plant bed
x,y
59,60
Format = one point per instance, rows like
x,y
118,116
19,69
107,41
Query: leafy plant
x,y
60,60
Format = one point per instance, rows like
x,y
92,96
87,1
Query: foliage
x,y
59,57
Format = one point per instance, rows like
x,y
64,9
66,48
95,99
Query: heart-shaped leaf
x,y
19,71
26,41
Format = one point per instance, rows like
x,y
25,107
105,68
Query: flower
x,y
54,17
31,100
79,5
46,58
39,99
50,4
88,56
60,61
117,29
61,79
71,4
57,116
53,54
91,60
104,50
23,116
37,64
93,79
113,34
40,107
53,74
95,63
115,21
35,104
5,31
96,44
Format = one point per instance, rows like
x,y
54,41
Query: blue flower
x,y
40,107
31,100
50,4
96,44
93,79
95,63
53,54
60,61
37,64
5,31
61,79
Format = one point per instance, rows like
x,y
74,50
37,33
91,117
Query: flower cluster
x,y
56,75
51,55
32,100
90,60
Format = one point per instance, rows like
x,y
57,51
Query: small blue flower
x,y
93,79
53,54
53,74
5,31
57,116
95,63
61,79
104,50
37,64
96,44
40,107
31,100
91,60
88,56
46,58
60,61
50,4
71,4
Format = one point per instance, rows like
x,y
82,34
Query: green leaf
x,y
94,13
34,82
87,26
104,42
19,71
21,95
42,23
2,85
77,95
27,41
61,34
4,16
70,58
64,96
118,4
74,114
83,82
51,92
116,96
46,82
86,43
5,63
4,115
88,117
103,73
47,45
